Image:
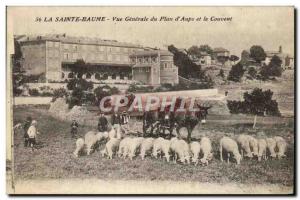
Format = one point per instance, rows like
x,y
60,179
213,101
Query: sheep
x,y
124,147
79,146
134,145
281,145
206,149
90,140
271,144
146,146
230,146
244,144
157,143
163,146
195,150
180,148
262,149
112,133
111,147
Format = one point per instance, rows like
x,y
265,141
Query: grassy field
x,y
55,160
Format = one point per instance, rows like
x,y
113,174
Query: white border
x,y
5,3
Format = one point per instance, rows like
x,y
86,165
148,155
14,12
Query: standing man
x,y
32,133
74,127
102,123
115,122
26,126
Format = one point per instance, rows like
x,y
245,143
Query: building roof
x,y
75,40
220,49
152,52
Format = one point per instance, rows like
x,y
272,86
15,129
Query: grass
x,y
55,160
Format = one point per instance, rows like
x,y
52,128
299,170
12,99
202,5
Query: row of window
x,y
93,56
144,60
166,65
142,69
76,47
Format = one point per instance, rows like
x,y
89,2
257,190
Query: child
x,y
26,126
32,132
74,127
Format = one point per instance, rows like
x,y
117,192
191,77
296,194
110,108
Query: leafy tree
x,y
257,53
206,48
256,102
194,51
272,69
236,73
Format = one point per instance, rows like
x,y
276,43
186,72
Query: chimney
x,y
280,49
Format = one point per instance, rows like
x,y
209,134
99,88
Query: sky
x,y
269,27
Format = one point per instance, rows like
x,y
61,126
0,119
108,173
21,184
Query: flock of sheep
x,y
178,149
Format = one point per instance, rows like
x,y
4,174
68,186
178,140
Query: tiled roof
x,y
220,49
75,40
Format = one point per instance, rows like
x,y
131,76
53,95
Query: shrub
x,y
236,73
34,92
59,93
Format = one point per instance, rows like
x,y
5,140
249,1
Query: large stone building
x,y
56,58
287,60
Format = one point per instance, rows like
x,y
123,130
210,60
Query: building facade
x,y
154,67
55,57
287,60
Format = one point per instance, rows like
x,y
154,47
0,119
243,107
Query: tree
x,y
206,48
257,53
252,72
236,73
272,69
257,103
234,58
221,73
194,51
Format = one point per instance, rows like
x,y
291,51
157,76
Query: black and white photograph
x,y
150,100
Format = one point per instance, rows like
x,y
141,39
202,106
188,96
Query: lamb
x,y
146,146
79,146
134,145
111,147
281,145
262,149
124,147
163,146
195,150
271,145
244,144
231,147
180,148
206,149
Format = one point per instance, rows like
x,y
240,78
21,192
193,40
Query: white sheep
x,y
90,141
157,144
281,146
162,146
79,146
146,146
271,144
253,145
112,133
231,147
180,148
206,149
111,147
124,147
262,149
195,150
244,144
134,146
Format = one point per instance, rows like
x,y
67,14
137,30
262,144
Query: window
x,y
66,46
109,57
154,59
140,60
56,44
75,47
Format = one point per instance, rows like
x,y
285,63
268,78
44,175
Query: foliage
x,y
234,58
103,91
221,73
258,102
222,59
272,69
252,72
59,93
196,51
236,72
34,92
79,83
76,97
257,53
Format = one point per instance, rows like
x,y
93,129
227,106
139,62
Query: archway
x,y
88,75
71,75
97,76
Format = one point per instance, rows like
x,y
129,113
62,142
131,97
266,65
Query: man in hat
x,y
102,123
32,133
26,126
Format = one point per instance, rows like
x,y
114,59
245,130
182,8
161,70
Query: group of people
x,y
30,133
118,121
